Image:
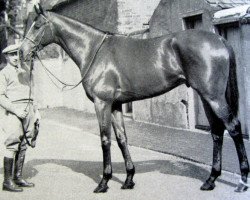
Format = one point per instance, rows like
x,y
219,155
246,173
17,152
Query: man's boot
x,y
18,170
8,183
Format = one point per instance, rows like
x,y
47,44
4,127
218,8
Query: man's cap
x,y
11,48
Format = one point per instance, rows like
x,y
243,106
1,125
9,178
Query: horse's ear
x,y
38,9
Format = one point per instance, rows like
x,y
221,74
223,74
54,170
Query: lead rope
x,y
30,84
30,92
27,107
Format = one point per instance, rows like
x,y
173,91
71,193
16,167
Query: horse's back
x,y
144,64
157,65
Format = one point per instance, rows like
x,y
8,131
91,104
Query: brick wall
x,y
132,15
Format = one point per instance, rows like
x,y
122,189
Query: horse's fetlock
x,y
244,168
107,176
216,172
108,169
131,170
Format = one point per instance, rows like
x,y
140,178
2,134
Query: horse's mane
x,y
101,14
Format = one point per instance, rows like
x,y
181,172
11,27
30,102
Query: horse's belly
x,y
139,90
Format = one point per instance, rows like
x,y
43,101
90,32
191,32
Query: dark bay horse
x,y
118,69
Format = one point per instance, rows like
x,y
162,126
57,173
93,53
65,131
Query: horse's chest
x,y
103,87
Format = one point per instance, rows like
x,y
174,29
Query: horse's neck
x,y
78,40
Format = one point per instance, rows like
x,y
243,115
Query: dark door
x,y
201,122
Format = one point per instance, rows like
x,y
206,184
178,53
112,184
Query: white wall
x,y
48,95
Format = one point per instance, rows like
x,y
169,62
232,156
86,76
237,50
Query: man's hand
x,y
21,113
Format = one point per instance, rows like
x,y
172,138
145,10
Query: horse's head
x,y
39,34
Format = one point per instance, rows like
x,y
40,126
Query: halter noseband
x,y
38,44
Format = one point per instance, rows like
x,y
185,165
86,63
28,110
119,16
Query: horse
x,y
116,69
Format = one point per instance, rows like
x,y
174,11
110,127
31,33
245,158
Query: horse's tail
x,y
232,92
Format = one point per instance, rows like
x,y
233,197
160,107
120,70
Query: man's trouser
x,y
17,130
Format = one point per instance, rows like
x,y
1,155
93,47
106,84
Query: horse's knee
x,y
121,139
217,138
235,131
120,136
106,142
122,143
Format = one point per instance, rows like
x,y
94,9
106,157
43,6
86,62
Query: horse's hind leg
x,y
119,129
232,124
235,132
217,131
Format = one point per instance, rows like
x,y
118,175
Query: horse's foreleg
x,y
103,112
119,129
217,130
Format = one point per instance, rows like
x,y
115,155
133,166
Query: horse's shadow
x,y
94,169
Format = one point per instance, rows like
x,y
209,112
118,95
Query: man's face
x,y
13,58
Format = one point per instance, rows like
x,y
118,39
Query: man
x,y
18,117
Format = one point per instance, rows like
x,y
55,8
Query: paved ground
x,y
194,146
67,165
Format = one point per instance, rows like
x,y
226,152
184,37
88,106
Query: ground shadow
x,y
94,169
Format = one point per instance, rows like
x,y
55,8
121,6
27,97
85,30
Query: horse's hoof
x,y
207,186
128,185
241,187
101,189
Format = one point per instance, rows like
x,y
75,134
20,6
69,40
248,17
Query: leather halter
x,y
38,44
